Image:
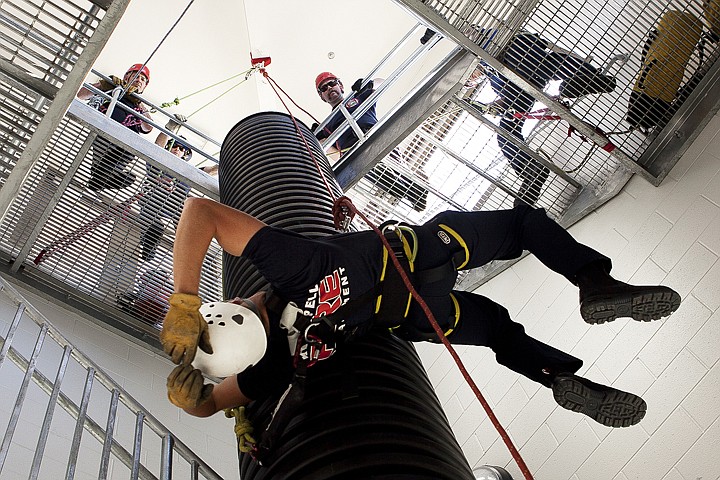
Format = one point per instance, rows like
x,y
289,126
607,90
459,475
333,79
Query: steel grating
x,y
612,37
45,38
113,245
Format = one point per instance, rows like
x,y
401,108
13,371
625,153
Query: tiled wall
x,y
670,235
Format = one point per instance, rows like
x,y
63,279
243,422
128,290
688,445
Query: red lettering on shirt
x,y
330,295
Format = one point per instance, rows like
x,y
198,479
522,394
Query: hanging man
x,y
344,284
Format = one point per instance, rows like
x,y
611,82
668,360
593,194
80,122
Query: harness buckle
x,y
325,328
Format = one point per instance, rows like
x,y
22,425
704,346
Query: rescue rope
x,y
496,110
343,212
243,429
299,132
345,203
119,210
177,100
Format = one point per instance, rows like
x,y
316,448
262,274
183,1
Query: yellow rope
x,y
243,429
177,100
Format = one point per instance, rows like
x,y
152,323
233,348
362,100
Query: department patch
x,y
352,103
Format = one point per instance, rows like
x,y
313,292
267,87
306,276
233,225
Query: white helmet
x,y
237,336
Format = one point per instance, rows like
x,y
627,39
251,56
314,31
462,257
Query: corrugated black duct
x,y
370,411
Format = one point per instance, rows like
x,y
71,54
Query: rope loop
x,y
343,212
243,429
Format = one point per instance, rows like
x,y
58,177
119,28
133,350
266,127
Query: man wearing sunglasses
x,y
389,181
331,91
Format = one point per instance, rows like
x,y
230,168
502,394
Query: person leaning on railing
x,y
385,178
538,61
109,164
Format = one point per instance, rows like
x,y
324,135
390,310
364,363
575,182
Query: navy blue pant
x,y
496,235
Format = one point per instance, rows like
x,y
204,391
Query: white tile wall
x,y
668,234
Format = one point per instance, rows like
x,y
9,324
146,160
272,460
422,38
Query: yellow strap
x,y
410,254
461,242
457,316
452,328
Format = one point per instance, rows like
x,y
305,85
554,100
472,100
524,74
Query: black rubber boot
x,y
606,405
604,299
642,303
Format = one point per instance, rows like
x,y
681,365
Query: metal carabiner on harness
x,y
324,328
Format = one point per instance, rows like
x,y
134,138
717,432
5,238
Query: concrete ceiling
x,y
212,43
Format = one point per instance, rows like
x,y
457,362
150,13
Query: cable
x,y
158,46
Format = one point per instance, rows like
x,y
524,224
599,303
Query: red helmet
x,y
324,76
139,67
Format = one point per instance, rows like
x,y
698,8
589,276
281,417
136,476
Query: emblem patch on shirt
x,y
444,237
328,295
353,102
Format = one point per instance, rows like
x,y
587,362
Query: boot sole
x,y
611,407
644,305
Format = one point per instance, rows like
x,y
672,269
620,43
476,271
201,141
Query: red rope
x,y
299,132
347,203
536,115
62,243
343,211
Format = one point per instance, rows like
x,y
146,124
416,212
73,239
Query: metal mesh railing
x,y
618,71
98,217
63,417
45,38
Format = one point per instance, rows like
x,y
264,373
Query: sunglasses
x,y
179,146
327,85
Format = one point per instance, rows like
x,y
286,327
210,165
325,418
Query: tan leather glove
x,y
173,124
185,387
106,86
184,329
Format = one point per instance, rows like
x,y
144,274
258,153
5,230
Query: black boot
x,y
605,405
150,239
603,299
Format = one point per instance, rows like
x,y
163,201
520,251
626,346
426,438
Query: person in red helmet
x,y
396,184
330,89
108,170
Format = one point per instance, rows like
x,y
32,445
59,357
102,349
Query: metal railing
x,y
196,138
576,151
71,393
96,218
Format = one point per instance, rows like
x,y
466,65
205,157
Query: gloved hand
x,y
106,86
429,33
358,83
174,124
314,126
184,329
185,387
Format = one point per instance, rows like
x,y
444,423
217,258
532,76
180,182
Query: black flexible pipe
x,y
370,411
